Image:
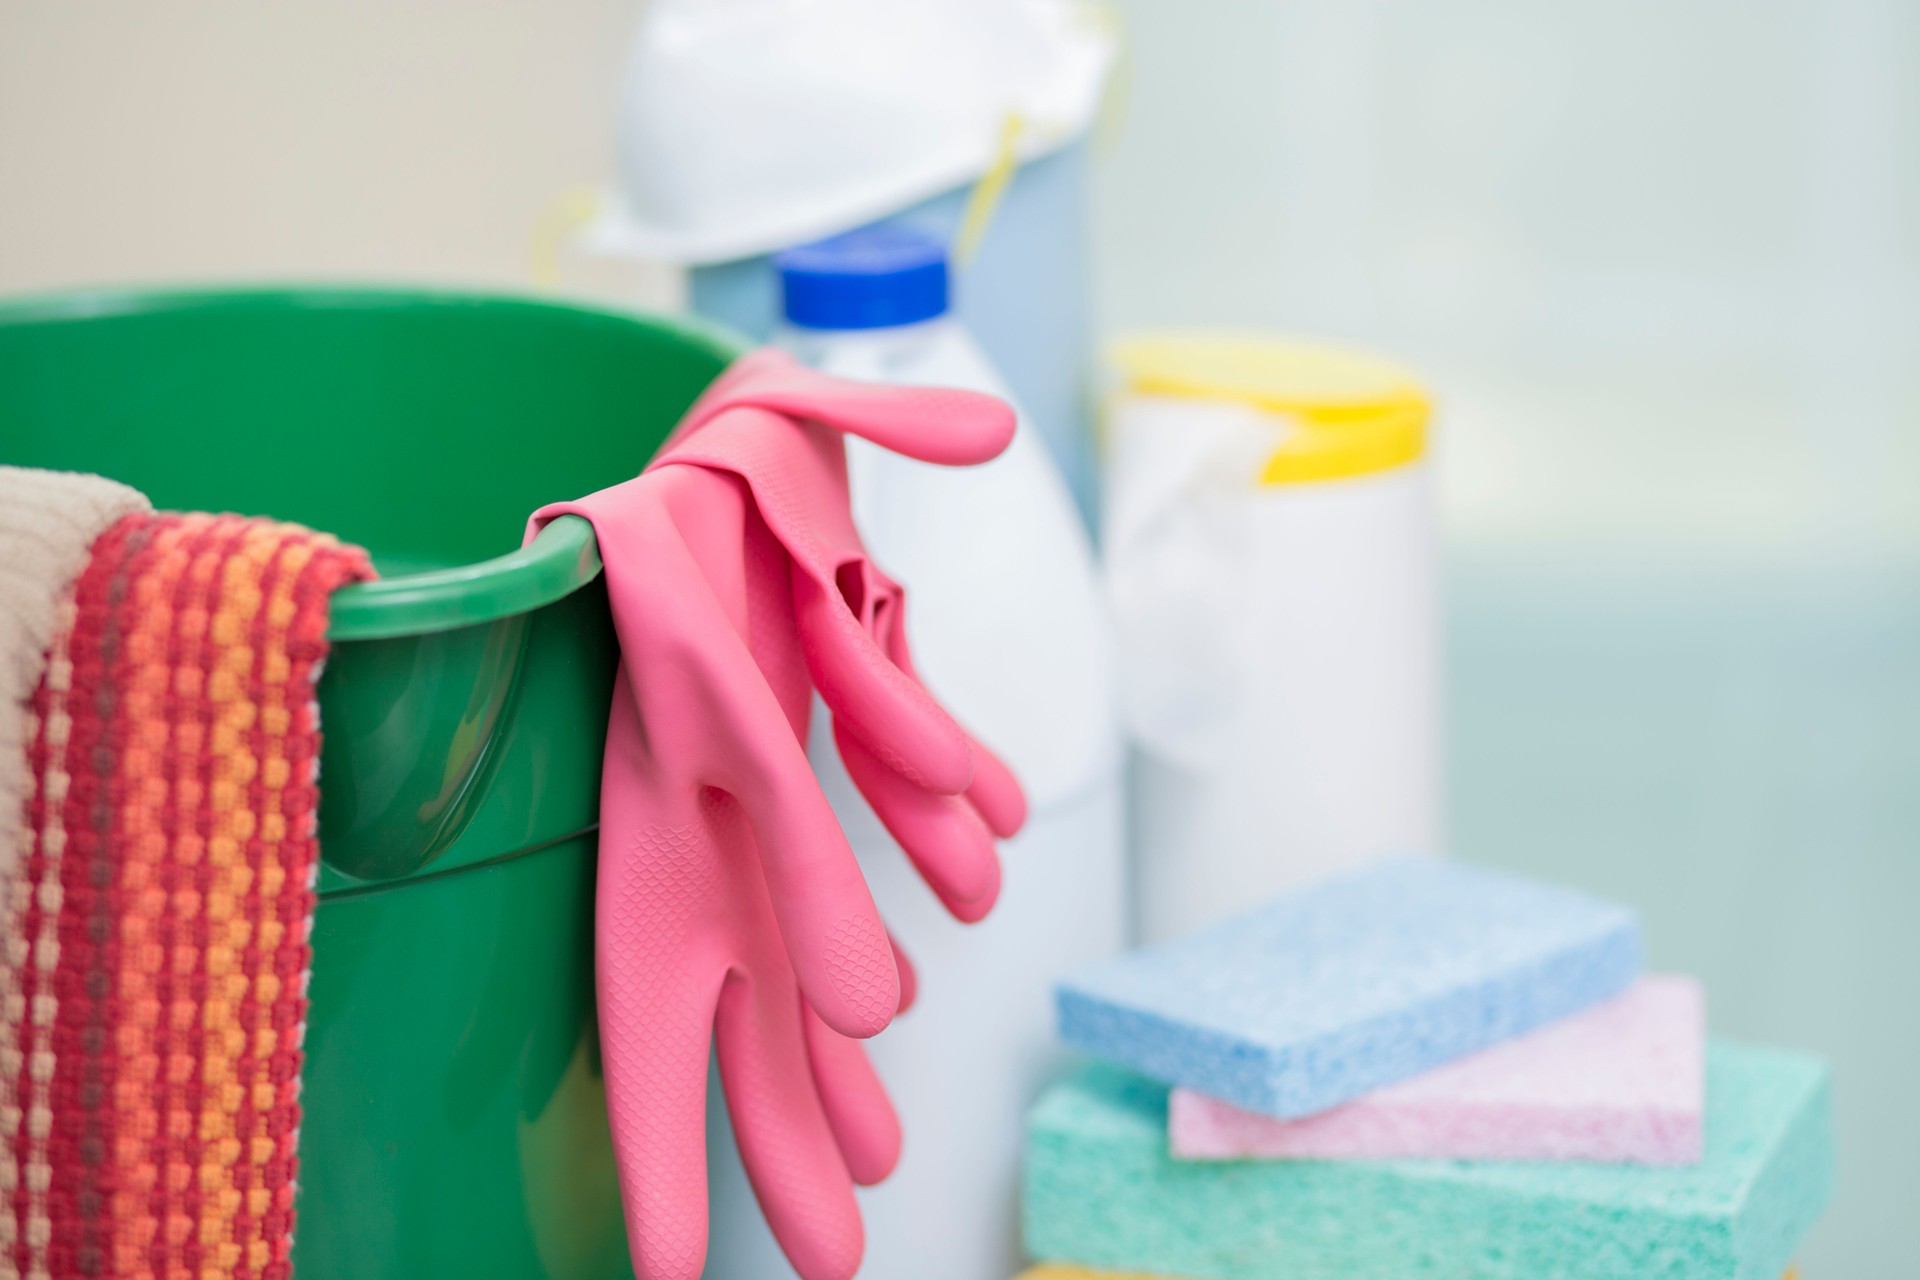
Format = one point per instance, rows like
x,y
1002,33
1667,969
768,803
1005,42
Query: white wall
x,y
222,139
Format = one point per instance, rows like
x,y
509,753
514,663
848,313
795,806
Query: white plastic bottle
x,y
1009,630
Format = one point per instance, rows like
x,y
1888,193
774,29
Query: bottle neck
x,y
876,354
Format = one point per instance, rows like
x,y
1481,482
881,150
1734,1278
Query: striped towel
x,y
156,924
48,520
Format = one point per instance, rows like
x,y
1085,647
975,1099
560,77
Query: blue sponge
x,y
1101,1190
1352,983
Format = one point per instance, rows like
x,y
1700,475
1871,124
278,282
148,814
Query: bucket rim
x,y
560,560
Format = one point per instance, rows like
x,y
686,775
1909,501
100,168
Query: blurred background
x,y
1660,262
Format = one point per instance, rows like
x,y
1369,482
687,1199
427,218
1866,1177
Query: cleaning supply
x,y
726,891
750,128
1621,1083
1010,634
1101,1190
48,519
1353,983
157,923
1269,547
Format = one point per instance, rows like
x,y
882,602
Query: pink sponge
x,y
1622,1083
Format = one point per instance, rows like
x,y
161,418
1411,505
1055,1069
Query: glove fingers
x,y
655,1058
944,837
909,980
858,1110
934,424
883,705
834,939
787,1146
654,1029
996,793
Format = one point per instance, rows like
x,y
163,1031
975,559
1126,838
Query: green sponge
x,y
1101,1190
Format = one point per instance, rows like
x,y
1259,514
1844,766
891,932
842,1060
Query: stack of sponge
x,y
1418,1071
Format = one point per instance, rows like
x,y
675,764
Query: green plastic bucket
x,y
454,1122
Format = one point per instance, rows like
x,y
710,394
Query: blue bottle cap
x,y
872,278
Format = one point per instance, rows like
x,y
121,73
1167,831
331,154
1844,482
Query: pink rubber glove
x,y
938,791
725,885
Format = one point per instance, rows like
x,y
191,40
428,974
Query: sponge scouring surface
x,y
1622,1082
1101,1190
1352,983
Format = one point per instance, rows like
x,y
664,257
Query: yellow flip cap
x,y
1357,413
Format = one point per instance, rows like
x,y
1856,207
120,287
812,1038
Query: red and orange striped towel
x,y
156,923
